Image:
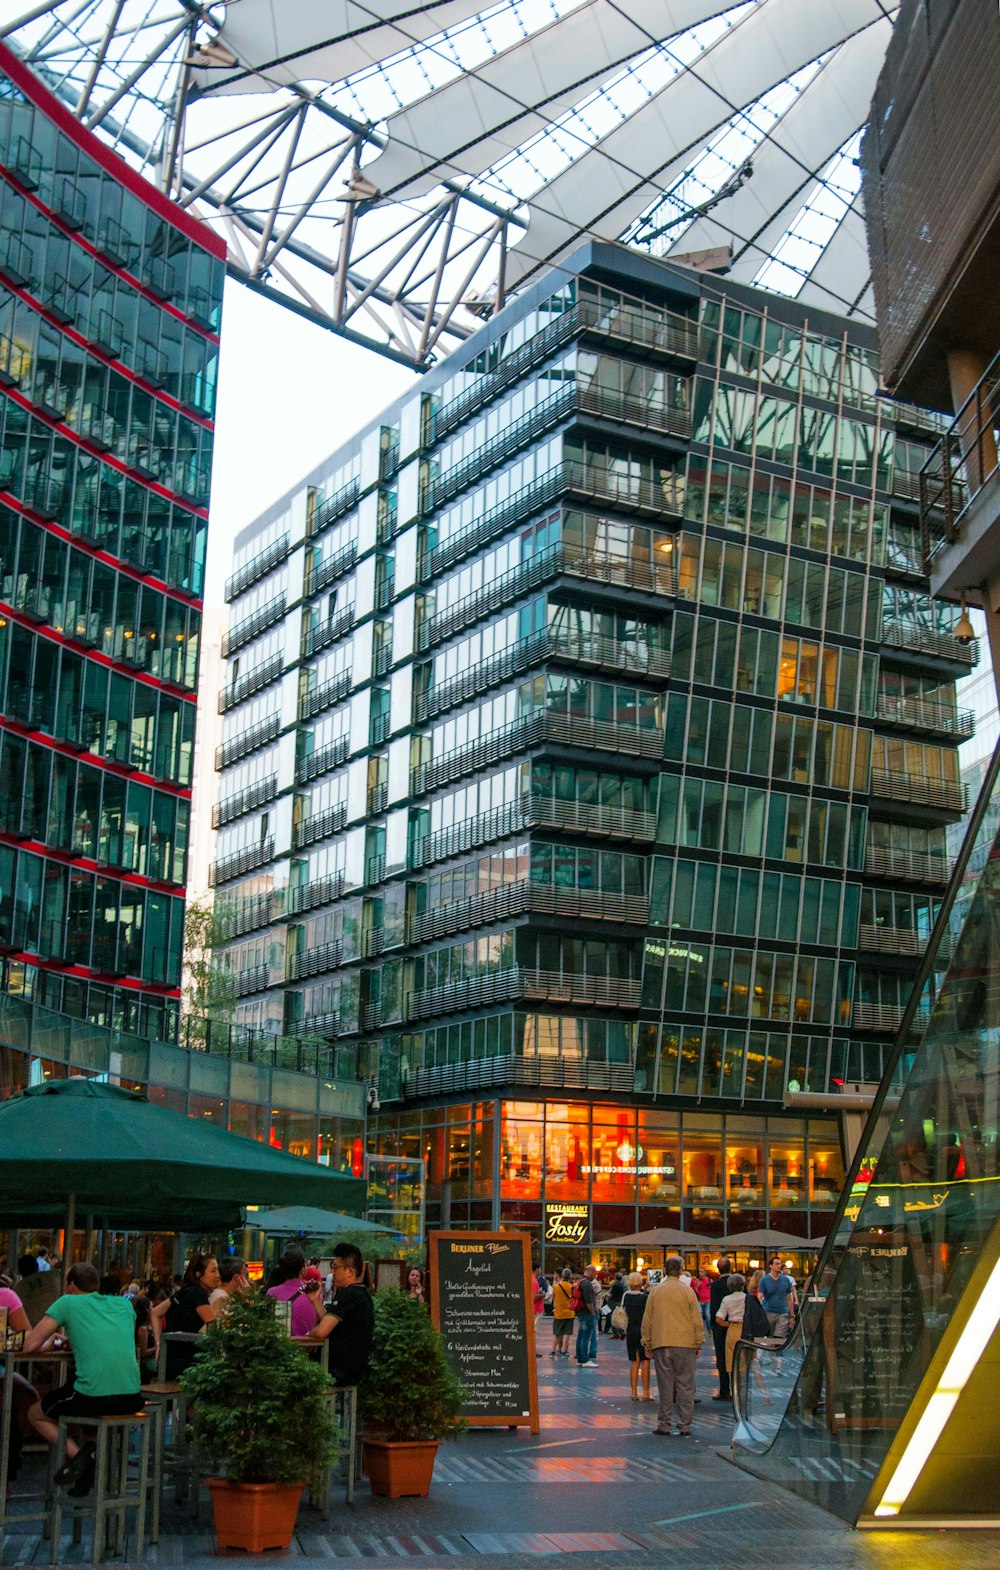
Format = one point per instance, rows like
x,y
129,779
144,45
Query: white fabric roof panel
x,y
604,191
466,127
290,41
816,125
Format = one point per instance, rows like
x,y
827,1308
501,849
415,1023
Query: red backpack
x,y
576,1303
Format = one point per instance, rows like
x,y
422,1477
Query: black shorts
x,y
67,1401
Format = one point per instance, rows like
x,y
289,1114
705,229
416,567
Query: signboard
x,y
481,1301
567,1223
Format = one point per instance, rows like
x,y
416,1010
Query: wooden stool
x,y
112,1495
344,1400
167,1402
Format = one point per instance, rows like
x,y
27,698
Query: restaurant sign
x,y
567,1223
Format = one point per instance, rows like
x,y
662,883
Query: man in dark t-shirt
x,y
717,1292
350,1322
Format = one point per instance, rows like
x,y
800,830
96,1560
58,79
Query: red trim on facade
x,y
97,655
84,973
105,557
62,429
118,366
98,255
60,116
87,864
109,765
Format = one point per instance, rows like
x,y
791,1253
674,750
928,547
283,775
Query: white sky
x,y
289,393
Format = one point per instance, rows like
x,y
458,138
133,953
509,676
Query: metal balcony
x,y
891,940
907,865
329,571
247,741
518,982
258,567
925,714
254,979
885,1017
315,961
319,826
925,640
324,697
252,682
322,762
320,637
524,898
238,917
378,797
950,796
254,795
555,1073
533,731
249,628
241,861
310,896
333,507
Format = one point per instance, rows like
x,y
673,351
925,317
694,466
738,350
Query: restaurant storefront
x,y
575,1173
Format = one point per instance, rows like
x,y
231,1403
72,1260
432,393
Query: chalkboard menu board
x,y
481,1301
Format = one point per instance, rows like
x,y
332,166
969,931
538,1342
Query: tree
x,y
209,991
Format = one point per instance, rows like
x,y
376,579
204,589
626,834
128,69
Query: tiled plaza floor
x,y
595,1482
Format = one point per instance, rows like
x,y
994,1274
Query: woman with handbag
x,y
631,1308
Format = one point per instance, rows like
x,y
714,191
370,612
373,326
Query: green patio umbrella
x,y
306,1219
79,1146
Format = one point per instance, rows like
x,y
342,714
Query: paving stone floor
x,y
594,1482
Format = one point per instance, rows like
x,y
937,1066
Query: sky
x,y
289,394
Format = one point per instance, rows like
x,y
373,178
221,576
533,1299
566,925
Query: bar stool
x,y
112,1495
167,1403
344,1400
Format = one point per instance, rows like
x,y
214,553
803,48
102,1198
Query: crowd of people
x,y
664,1323
113,1329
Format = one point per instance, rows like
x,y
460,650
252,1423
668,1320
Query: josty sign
x,y
567,1223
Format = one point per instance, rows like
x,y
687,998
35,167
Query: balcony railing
x,y
333,568
319,826
886,1016
652,577
378,796
238,917
925,714
525,898
315,961
890,940
247,741
322,762
925,640
888,785
258,567
484,1073
619,492
958,468
310,896
378,729
333,507
608,822
327,632
241,861
253,979
545,985
375,869
561,645
325,696
252,682
243,801
909,865
671,335
534,731
248,629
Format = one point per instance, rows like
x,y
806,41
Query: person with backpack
x,y
585,1313
756,1328
562,1314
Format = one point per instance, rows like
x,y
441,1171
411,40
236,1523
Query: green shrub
x,y
409,1391
261,1414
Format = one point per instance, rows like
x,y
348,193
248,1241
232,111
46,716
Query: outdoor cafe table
x,y
11,1361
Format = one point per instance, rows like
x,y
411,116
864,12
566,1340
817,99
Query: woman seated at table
x,y
188,1311
25,1394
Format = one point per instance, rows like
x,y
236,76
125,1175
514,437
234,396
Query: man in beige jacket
x,y
672,1331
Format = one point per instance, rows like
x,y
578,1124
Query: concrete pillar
x,y
966,368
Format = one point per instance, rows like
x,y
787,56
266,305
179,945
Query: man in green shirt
x,y
101,1333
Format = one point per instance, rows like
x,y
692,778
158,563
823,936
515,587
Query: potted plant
x,y
409,1399
263,1418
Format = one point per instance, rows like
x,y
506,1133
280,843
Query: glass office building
x,y
109,314
590,746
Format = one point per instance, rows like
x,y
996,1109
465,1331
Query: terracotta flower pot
x,y
254,1516
400,1468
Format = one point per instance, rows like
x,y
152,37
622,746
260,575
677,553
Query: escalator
x,y
884,1405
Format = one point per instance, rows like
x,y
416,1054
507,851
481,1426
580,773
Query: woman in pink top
x,y
25,1395
288,1285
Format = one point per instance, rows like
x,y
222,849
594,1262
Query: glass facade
x,y
590,731
109,315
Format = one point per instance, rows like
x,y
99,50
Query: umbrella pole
x,y
88,1238
70,1229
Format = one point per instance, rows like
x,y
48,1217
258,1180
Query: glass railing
x,y
848,1411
